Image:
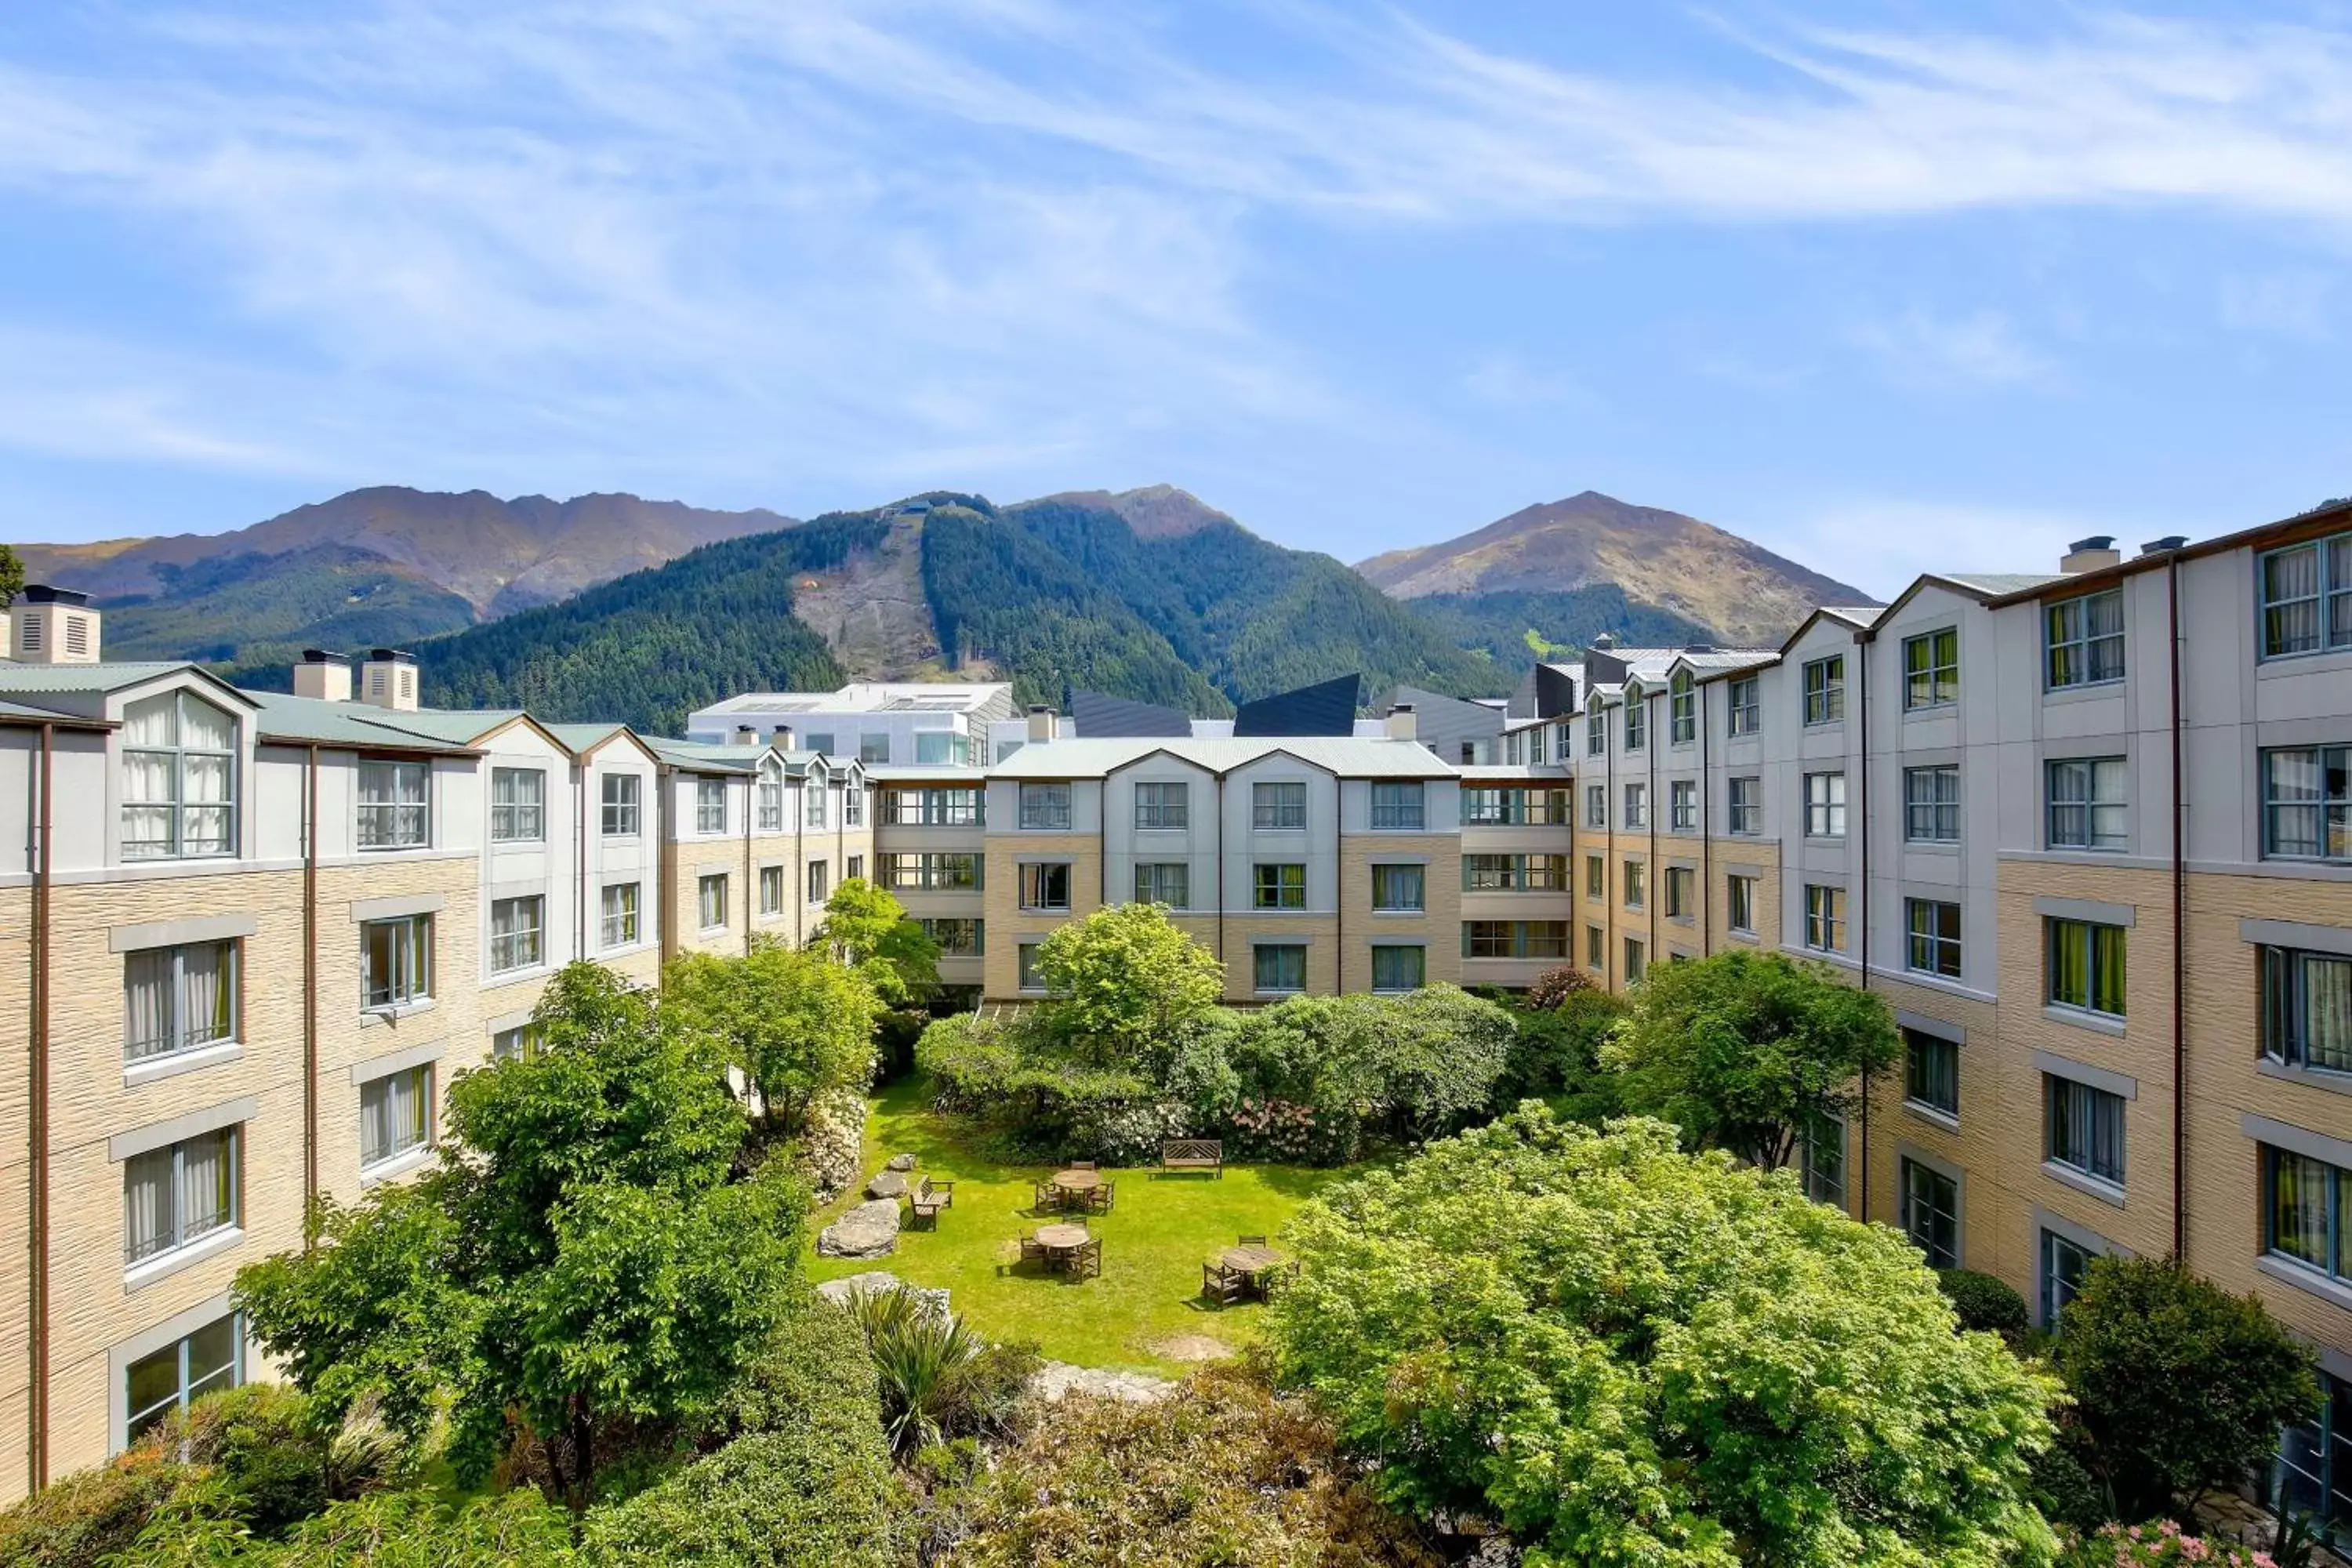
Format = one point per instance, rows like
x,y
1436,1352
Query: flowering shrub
x,y
1557,984
1278,1130
2160,1546
1126,1132
832,1142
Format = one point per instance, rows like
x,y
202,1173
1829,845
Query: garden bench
x,y
930,1198
1194,1154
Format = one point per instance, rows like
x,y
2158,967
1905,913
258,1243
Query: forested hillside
x,y
1515,629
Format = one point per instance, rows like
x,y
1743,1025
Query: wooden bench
x,y
1194,1154
930,1198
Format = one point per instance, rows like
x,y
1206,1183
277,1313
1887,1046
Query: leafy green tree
x,y
2182,1386
867,928
1124,979
581,1265
1629,1354
797,1024
12,576
1744,1052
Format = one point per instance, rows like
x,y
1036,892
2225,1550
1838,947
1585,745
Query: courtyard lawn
x,y
1143,1313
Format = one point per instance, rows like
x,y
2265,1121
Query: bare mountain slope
x,y
1741,591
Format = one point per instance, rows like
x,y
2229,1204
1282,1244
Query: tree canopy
x,y
1125,978
1631,1354
867,929
796,1024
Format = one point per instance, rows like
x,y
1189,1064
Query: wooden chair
x,y
1082,1165
1048,1199
1098,1199
930,1198
1252,1241
1086,1263
1032,1249
1225,1287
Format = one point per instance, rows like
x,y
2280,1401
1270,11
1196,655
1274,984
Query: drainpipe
x,y
2180,927
580,863
1219,787
1339,899
1862,691
310,992
44,866
751,882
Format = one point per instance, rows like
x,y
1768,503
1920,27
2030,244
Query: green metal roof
x,y
83,679
285,718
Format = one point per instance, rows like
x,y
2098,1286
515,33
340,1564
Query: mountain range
x,y
607,606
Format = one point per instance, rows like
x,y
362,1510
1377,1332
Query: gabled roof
x,y
105,677
312,721
583,740
1347,757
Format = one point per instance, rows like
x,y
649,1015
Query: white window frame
x,y
515,820
183,763
618,916
394,818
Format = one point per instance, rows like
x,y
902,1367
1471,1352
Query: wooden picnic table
x,y
1250,1259
1062,1238
1077,1181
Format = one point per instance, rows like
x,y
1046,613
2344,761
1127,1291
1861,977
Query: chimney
x,y
323,675
746,735
1403,725
388,679
781,737
2165,546
2090,554
1603,642
53,625
1040,723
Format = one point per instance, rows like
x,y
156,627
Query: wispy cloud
x,y
1983,348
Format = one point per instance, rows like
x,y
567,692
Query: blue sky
x,y
1883,286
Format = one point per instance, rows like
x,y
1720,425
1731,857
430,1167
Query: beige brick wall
x,y
1008,925
1439,926
15,1211
1319,932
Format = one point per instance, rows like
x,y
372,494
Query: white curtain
x,y
205,728
204,822
146,1205
146,1004
205,999
148,790
154,722
2327,1012
375,1122
204,1184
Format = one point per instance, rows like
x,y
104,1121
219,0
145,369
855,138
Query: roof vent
x,y
1041,722
781,737
2091,554
388,679
1402,723
53,625
745,735
1603,642
323,675
1698,647
2165,546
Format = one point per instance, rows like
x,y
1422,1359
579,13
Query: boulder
x,y
869,1230
874,1282
1056,1378
886,1184
902,1164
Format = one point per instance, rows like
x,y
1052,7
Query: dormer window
x,y
1636,712
1682,703
179,779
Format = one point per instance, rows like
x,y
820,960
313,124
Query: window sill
x,y
1401,914
623,949
2310,1078
399,1165
390,848
506,977
2099,1187
1044,909
1928,1113
2302,1276
2082,1018
396,1011
148,1069
1746,936
1934,845
148,1271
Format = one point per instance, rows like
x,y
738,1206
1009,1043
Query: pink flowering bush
x,y
2160,1545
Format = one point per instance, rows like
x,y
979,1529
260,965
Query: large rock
x,y
874,1282
886,1184
1056,1378
901,1163
869,1230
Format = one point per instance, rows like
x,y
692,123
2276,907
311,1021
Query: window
x,y
772,889
1931,804
178,999
2084,639
1515,873
2313,1471
513,1045
874,749
853,804
1637,805
1045,806
516,932
2086,804
813,790
1596,806
1682,710
1931,669
1278,966
934,873
820,740
1745,805
1168,882
1931,1072
772,801
957,938
1746,705
1596,876
2084,1128
1397,889
2308,1010
392,805
2303,1204
1823,1152
1029,974
1634,957
1825,918
1046,885
2307,597
1278,887
2307,803
1278,805
1680,904
2064,1265
1935,937
1515,939
935,807
1682,805
1596,947
1396,807
1825,805
711,805
397,956
1633,884
621,806
1497,807
710,895
1636,715
1931,1214
176,1197
1739,898
935,747
1824,681
517,806
395,1114
172,1378
1162,804
179,779
2086,965
820,881
1399,968
618,926
1596,732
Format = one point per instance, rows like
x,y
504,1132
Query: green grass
x,y
1160,1229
